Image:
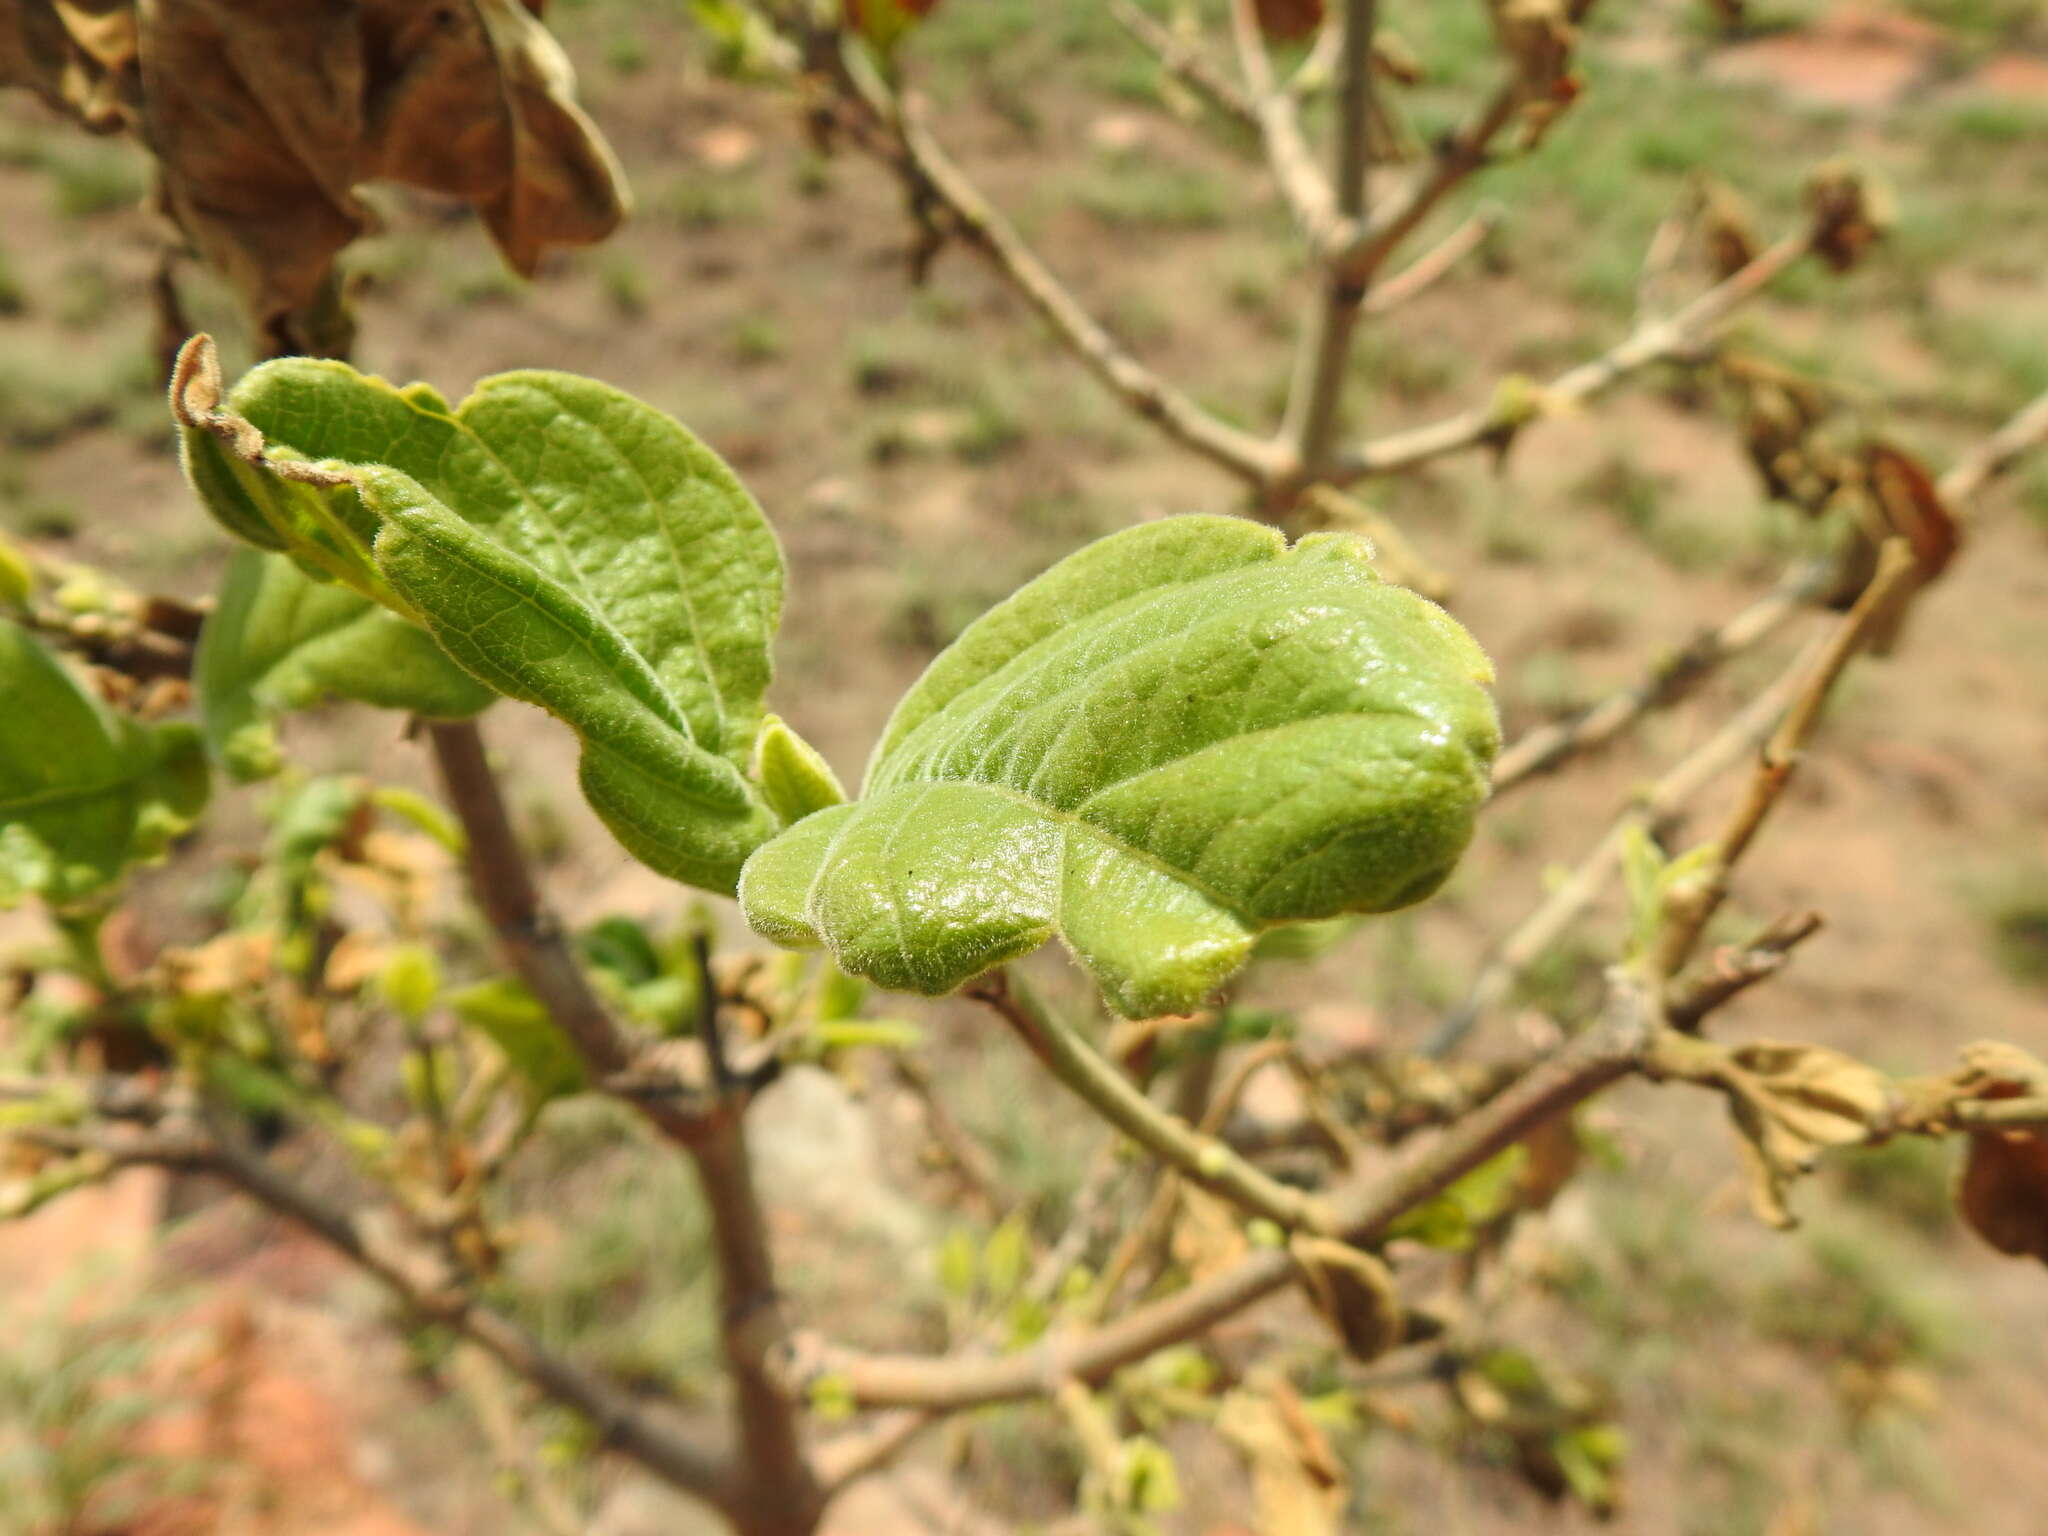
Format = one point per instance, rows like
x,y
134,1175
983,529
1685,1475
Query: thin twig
x,y
1570,899
1309,196
1316,397
1464,152
1202,1159
1187,64
1653,342
1685,919
1434,264
415,1279
1549,747
931,173
1365,1205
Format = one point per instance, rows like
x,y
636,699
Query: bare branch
x,y
1685,919
1735,971
1365,1205
786,1496
1569,900
1317,394
1433,264
1202,1159
415,1278
1653,342
1310,197
2024,432
1548,747
1187,64
1464,152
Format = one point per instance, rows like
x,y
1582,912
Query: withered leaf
x,y
1298,1484
1790,1103
1353,1291
265,116
1288,21
2004,1191
1907,496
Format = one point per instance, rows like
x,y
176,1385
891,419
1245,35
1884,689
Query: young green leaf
x,y
1182,736
278,640
792,774
564,543
84,792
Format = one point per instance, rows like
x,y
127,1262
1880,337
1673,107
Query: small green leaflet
x,y
278,640
84,791
1184,735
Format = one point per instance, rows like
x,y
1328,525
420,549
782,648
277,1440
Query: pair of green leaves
x,y
1179,738
84,791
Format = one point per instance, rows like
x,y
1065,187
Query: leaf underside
x,y
1182,736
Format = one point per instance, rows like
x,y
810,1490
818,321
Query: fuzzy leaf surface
x,y
1181,736
84,792
564,543
278,640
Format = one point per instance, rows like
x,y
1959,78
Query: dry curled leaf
x,y
1911,505
1289,21
1851,213
2003,1192
1298,1485
265,115
1353,1291
1791,1103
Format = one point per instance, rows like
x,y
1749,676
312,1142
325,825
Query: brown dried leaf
x,y
1850,211
2003,1194
1289,21
1353,1291
265,115
1790,1103
233,962
1911,504
1298,1486
1554,1156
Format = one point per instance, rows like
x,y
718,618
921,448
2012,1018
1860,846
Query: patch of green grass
x,y
13,297
709,200
85,294
2013,906
625,285
1128,193
758,339
627,53
47,393
1908,1179
1995,120
1847,1289
71,1400
94,178
624,1280
1641,500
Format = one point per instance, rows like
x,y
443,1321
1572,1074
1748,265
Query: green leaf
x,y
513,1019
792,774
1178,738
278,640
84,792
566,545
